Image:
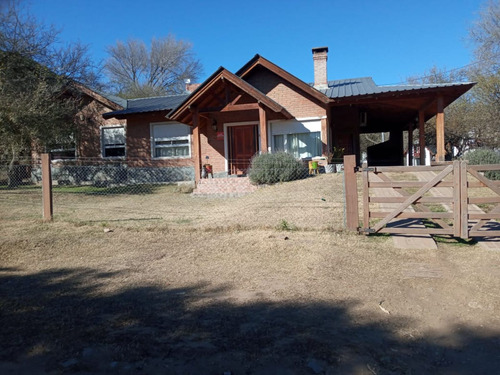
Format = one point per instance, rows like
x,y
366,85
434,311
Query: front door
x,y
243,144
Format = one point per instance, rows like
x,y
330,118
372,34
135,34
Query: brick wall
x,y
89,120
297,102
139,142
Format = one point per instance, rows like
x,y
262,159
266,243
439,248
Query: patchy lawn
x,y
223,289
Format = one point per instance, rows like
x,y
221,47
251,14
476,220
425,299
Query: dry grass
x,y
221,289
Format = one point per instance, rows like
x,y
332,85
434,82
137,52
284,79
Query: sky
x,y
388,40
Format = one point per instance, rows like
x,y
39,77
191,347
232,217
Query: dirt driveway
x,y
157,300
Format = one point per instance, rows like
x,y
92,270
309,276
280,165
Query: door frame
x,y
226,138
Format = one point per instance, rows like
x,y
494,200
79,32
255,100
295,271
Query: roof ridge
x,y
157,97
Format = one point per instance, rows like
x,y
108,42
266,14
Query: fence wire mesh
x,y
20,190
114,193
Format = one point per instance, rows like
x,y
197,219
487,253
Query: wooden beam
x,y
263,129
440,151
240,107
410,144
325,146
196,145
351,193
421,135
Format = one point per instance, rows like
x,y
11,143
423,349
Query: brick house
x,y
263,108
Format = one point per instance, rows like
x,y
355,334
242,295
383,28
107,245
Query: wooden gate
x,y
449,199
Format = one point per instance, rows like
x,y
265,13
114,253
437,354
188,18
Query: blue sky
x,y
388,40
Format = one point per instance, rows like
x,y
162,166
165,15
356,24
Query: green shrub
x,y
273,168
482,156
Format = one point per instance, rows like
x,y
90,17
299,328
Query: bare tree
x,y
137,70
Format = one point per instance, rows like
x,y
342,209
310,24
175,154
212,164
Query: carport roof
x,y
365,86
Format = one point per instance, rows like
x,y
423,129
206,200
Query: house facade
x,y
262,108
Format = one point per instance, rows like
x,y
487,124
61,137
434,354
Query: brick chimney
x,y
320,57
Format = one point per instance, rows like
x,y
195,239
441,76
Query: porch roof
x,y
213,95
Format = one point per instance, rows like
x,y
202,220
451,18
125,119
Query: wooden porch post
x,y
421,136
351,193
263,129
196,145
410,144
440,151
325,147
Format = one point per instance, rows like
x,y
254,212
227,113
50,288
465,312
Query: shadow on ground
x,y
63,321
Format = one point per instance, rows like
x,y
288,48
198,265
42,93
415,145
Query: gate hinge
x,y
368,169
366,230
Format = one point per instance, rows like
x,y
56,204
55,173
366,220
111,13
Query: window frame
x,y
103,146
154,141
287,138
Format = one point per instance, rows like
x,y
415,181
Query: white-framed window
x,y
300,145
299,137
170,140
113,141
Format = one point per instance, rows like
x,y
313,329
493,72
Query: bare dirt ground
x,y
191,297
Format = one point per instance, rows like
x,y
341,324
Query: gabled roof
x,y
358,87
143,105
258,60
111,101
183,112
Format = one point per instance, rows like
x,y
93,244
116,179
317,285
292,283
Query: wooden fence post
x,y
351,192
46,188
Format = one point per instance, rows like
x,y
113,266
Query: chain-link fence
x,y
20,190
115,193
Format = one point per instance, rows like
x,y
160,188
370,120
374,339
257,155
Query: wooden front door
x,y
243,144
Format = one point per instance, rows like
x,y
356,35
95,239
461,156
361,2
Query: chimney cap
x,y
319,49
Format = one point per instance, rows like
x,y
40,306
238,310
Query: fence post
x,y
46,188
351,192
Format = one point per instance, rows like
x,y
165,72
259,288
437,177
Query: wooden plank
x,y
486,216
484,167
484,233
417,231
414,215
413,198
351,193
325,144
418,201
464,207
407,184
484,200
416,168
457,217
47,201
366,195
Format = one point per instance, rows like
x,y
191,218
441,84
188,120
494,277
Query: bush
x,y
485,156
273,168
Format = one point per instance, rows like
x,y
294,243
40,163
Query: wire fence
x,y
114,193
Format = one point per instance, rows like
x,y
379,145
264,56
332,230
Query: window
x,y
170,140
63,148
300,145
113,141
